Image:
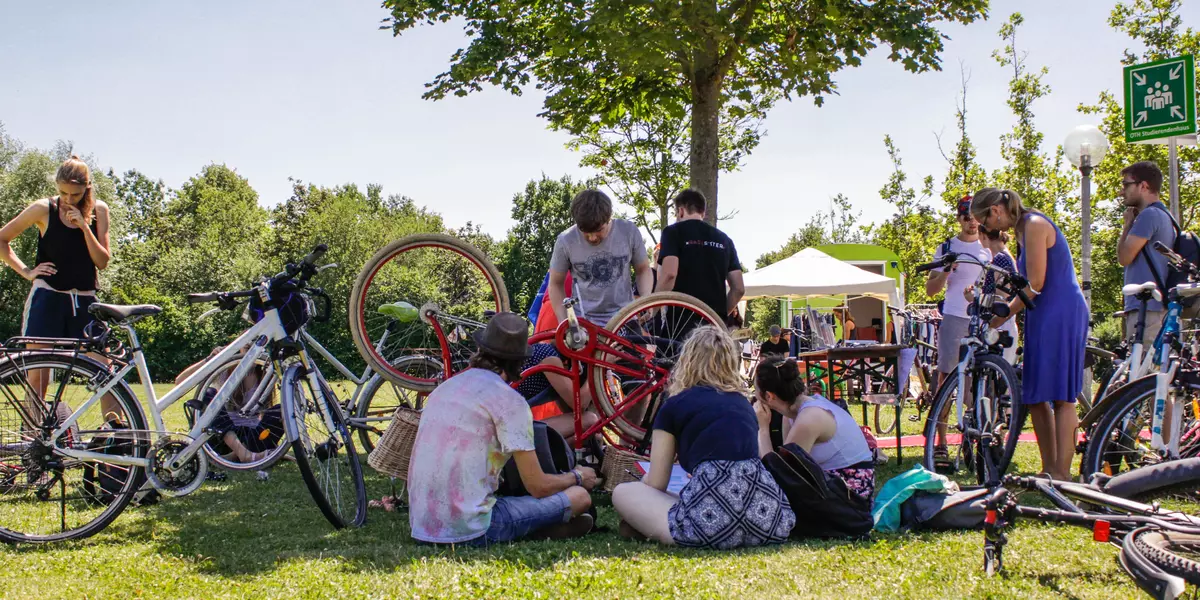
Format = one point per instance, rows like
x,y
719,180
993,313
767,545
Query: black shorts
x,y
54,314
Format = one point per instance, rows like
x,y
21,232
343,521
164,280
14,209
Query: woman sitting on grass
x,y
731,501
821,428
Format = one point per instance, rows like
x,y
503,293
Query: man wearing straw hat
x,y
470,427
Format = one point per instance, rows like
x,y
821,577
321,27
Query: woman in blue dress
x,y
1055,329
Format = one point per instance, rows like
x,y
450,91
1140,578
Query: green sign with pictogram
x,y
1160,99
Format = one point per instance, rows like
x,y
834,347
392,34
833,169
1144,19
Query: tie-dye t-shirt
x,y
470,427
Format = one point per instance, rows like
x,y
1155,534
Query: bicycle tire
x,y
1096,453
92,370
1157,547
358,297
309,454
210,447
884,412
943,400
1156,479
604,395
1149,577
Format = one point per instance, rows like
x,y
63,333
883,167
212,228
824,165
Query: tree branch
x,y
741,28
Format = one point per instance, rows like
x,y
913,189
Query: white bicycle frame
x,y
359,381
1140,362
270,328
971,343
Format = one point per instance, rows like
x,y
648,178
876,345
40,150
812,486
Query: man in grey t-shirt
x,y
1146,221
598,252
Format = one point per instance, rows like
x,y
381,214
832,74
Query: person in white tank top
x,y
821,428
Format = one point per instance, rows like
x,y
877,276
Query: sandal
x,y
941,460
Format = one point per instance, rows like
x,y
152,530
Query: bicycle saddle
x,y
1136,289
120,312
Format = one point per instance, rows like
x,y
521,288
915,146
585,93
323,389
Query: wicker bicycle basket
x,y
619,466
395,447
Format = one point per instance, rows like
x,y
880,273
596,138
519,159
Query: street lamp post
x,y
1085,147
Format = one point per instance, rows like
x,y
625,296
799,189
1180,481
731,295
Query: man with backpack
x,y
956,323
1147,221
955,279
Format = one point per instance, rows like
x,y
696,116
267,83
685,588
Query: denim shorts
x,y
950,334
515,517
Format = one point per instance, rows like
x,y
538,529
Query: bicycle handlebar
x,y
943,262
317,253
1177,262
294,278
1015,286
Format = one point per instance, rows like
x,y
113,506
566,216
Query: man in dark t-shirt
x,y
775,345
698,259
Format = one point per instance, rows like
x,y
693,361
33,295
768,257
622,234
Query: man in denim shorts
x,y
470,427
956,322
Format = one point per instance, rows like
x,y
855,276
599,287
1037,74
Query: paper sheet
x,y
679,477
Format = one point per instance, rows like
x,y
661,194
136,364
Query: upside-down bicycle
x,y
428,293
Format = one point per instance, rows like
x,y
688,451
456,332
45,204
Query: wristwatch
x,y
578,477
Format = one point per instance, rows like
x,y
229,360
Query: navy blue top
x,y
709,425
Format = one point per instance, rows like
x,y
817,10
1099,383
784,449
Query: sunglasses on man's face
x,y
1125,184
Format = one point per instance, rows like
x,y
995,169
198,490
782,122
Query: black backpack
x,y
102,482
553,452
824,506
1186,245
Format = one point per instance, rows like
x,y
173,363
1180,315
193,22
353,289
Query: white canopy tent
x,y
811,272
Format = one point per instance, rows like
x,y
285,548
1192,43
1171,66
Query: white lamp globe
x,y
1085,146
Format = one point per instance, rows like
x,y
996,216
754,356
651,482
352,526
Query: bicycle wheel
x,y
1120,439
256,423
323,448
1173,552
1150,578
379,401
885,419
422,270
1002,387
44,495
634,389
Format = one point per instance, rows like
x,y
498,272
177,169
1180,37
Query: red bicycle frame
x,y
600,342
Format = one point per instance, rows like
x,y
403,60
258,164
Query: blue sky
x,y
314,90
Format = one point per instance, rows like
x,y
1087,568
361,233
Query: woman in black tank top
x,y
72,247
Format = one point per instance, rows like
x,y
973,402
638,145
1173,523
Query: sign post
x,y
1160,102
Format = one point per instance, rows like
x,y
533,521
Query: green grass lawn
x,y
246,538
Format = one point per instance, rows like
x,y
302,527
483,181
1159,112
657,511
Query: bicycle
x,y
1158,546
626,362
1130,362
106,432
368,411
1129,427
990,428
910,321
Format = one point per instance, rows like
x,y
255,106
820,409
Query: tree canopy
x,y
602,60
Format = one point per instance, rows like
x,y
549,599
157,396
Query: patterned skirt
x,y
731,504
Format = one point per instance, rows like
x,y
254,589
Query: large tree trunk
x,y
705,157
